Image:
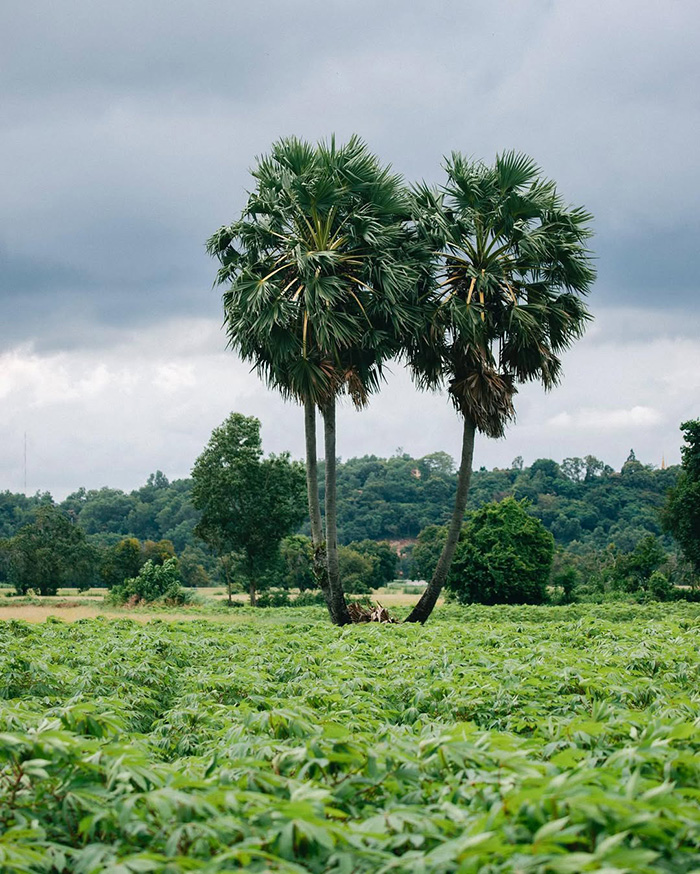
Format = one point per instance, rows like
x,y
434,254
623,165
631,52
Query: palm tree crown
x,y
512,264
319,269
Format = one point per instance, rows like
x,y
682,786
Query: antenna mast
x,y
25,462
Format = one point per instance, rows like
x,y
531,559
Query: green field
x,y
491,740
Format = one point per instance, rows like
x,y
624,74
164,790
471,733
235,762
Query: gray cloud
x,y
126,138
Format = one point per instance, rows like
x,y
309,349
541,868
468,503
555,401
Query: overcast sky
x,y
127,134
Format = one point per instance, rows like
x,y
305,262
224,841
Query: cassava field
x,y
492,740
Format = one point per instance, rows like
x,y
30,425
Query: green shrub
x,y
504,557
154,582
273,599
660,587
309,599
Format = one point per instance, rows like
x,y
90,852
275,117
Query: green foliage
x,y
154,582
297,556
356,570
504,557
383,558
495,740
393,498
17,510
511,266
121,561
565,583
192,571
48,553
681,515
248,503
632,571
427,551
318,270
125,558
385,499
660,587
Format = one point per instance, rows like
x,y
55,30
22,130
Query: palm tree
x,y
511,267
321,269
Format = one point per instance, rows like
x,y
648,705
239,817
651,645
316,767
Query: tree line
x,y
595,514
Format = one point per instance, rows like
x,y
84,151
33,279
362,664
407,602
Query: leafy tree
x,y
192,571
121,562
566,581
17,509
681,513
321,267
632,571
511,270
574,469
49,553
248,503
356,570
594,467
99,511
383,557
157,551
297,554
427,551
660,587
504,557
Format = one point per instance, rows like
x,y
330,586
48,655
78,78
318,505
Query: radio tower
x,y
25,462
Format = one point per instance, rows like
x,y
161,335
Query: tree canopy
x,y
48,553
504,557
248,503
682,509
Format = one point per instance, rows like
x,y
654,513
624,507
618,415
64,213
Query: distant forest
x,y
584,503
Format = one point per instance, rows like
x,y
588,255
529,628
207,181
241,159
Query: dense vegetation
x,y
494,740
394,499
585,504
681,514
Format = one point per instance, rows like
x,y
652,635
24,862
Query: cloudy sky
x,y
127,134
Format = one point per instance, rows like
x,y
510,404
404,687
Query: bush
x,y
273,599
309,599
660,587
282,599
504,557
565,583
356,571
154,582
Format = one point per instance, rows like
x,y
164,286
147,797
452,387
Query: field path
x,y
39,613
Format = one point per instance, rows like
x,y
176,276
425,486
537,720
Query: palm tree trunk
x,y
339,613
424,607
320,561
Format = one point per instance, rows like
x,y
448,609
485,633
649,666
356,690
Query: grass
x,y
71,605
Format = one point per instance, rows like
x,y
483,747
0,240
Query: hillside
x,y
581,501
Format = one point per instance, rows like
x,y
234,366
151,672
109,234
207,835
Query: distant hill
x,y
581,501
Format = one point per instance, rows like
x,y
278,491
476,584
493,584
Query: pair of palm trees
x,y
336,267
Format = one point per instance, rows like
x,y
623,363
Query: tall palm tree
x,y
512,265
322,274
